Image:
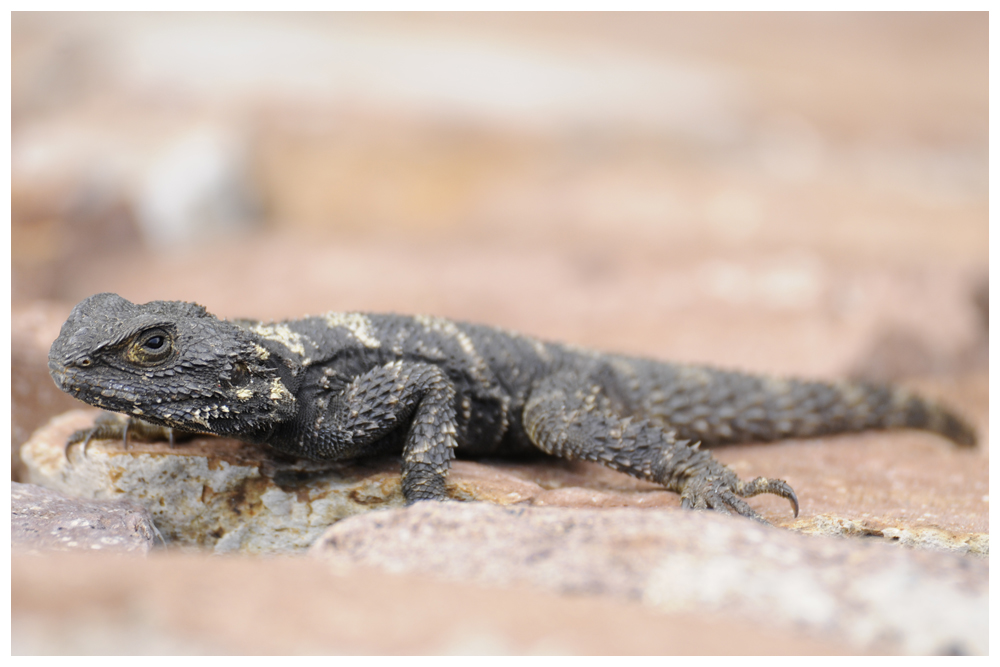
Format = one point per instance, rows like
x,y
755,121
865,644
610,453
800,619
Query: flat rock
x,y
44,520
874,596
212,493
225,495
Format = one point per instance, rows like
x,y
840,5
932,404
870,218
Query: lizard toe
x,y
693,501
740,506
777,487
84,435
716,487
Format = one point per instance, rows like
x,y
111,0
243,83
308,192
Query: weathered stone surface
x,y
43,520
228,496
215,493
906,487
868,594
172,603
231,496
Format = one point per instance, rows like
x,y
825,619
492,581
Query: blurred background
x,y
791,193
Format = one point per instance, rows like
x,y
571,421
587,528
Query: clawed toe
x,y
740,506
110,426
107,426
719,489
84,435
720,500
775,487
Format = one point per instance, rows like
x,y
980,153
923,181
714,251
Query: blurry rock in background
x,y
57,228
196,190
899,352
692,186
981,297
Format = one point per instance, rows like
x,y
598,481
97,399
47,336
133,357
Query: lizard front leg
x,y
566,415
112,426
416,396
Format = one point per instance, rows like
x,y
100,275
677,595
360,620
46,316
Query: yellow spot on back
x,y
357,324
281,333
451,330
278,391
540,348
697,374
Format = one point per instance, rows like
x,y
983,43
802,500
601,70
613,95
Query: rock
x,y
229,496
899,486
981,298
899,351
211,492
173,603
43,520
198,186
34,397
874,596
901,532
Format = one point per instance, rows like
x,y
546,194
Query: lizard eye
x,y
154,343
150,347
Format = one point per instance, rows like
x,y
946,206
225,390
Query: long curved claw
x,y
107,426
777,487
84,435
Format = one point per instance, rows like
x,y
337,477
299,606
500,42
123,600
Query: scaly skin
x,y
345,385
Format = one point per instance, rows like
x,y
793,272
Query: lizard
x,y
346,385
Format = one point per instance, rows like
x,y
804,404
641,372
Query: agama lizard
x,y
345,385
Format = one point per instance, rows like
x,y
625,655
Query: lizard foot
x,y
718,488
111,426
421,482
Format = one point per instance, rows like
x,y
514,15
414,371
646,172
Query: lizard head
x,y
170,363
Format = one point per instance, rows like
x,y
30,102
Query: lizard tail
x,y
718,407
811,408
912,411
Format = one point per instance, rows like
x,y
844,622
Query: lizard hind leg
x,y
567,416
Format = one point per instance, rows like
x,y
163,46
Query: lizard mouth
x,y
59,377
63,377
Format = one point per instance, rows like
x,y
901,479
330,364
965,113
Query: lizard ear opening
x,y
238,376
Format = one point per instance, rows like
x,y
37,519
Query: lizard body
x,y
345,385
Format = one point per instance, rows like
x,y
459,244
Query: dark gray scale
x,y
515,363
481,405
